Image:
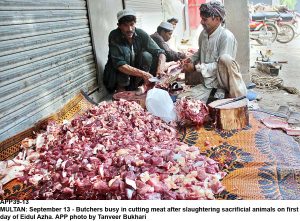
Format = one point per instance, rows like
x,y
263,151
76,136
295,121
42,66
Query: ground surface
x,y
290,73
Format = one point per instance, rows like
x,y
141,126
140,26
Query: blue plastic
x,y
251,85
173,97
251,95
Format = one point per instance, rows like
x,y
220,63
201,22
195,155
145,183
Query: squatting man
x,y
215,58
133,56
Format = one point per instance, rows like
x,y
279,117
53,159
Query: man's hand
x,y
160,73
127,69
169,64
185,61
146,77
182,55
161,65
188,67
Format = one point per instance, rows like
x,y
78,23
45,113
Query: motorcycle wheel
x,y
271,28
286,33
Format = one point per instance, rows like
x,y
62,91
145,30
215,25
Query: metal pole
x,y
187,20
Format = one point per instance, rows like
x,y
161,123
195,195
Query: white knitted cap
x,y
166,25
125,12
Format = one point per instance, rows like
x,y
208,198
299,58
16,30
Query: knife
x,y
231,101
154,79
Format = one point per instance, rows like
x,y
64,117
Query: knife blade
x,y
231,101
154,79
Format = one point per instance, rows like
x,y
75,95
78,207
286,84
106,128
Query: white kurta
x,y
220,42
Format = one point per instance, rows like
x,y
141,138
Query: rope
x,y
291,90
272,84
268,83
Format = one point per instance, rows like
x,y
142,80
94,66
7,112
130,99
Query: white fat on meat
x,y
117,150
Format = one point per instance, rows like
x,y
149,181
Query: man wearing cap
x,y
161,36
173,21
215,58
173,42
132,56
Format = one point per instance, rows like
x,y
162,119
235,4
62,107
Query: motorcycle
x,y
264,31
287,24
281,24
286,32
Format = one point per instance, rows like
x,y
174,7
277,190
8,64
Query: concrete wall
x,y
237,21
103,19
175,9
268,2
148,21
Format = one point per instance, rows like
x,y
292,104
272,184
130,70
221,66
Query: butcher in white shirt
x,y
215,58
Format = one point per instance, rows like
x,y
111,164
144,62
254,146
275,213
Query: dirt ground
x,y
290,74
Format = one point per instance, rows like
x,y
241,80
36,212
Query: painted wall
x,y
175,8
149,14
194,15
103,19
237,21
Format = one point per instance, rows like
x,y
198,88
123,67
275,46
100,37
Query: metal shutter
x,y
149,13
46,58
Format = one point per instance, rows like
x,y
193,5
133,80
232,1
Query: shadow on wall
x,y
103,19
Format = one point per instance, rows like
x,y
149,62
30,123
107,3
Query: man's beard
x,y
129,34
205,27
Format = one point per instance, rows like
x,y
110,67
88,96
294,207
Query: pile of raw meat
x,y
191,111
117,151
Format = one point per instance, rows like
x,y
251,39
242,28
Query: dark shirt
x,y
170,54
120,51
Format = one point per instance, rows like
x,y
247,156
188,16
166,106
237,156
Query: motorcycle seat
x,y
286,16
259,16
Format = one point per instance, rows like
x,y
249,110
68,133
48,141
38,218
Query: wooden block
x,y
231,116
193,78
268,68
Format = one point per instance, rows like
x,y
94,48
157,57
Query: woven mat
x,y
261,163
10,147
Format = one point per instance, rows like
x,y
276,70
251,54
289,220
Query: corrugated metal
x,y
149,13
8,5
46,57
144,6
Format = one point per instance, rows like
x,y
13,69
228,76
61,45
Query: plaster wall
x,y
103,19
237,21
